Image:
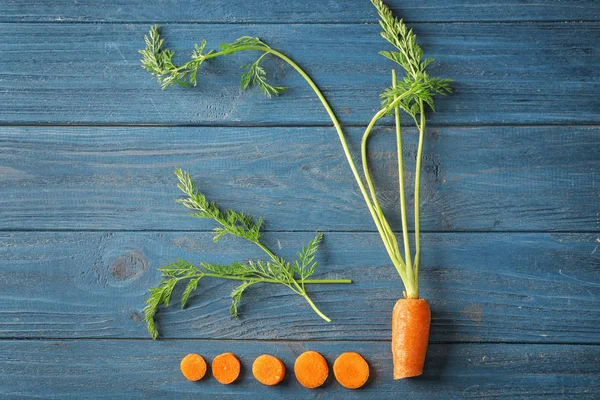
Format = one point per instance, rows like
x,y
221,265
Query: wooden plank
x,y
504,73
305,11
482,287
474,179
124,369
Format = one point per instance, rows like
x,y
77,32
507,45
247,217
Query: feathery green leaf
x,y
236,297
409,56
276,270
305,266
159,62
191,286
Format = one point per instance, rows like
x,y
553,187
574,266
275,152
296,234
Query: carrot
x,y
411,319
311,369
193,367
226,368
351,370
268,370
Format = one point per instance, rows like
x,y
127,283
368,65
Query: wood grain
x,y
124,369
482,287
474,179
504,74
294,11
87,213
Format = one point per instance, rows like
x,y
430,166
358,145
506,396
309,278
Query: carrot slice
x,y
351,370
411,319
311,369
193,367
268,370
226,368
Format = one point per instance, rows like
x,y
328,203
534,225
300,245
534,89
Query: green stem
x,y
266,250
302,293
382,227
401,267
226,53
327,281
365,165
315,308
345,147
300,289
389,240
268,280
402,192
333,118
418,191
389,234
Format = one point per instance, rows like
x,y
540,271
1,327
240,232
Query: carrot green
x,y
277,270
413,94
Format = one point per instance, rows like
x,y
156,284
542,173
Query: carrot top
x,y
268,370
226,368
351,370
193,367
311,369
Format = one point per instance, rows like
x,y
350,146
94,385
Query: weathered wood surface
x,y
486,179
513,154
482,287
505,74
100,369
293,11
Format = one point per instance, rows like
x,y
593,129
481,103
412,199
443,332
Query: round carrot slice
x,y
351,370
311,369
268,370
226,368
193,367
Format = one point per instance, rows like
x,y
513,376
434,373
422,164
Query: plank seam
x,y
398,232
370,22
38,339
282,125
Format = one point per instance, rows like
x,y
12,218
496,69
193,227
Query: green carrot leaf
x,y
231,222
236,297
159,62
191,286
305,266
409,56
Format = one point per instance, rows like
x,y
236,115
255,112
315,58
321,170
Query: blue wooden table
x,y
510,202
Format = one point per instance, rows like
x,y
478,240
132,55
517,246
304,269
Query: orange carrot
x,y
226,368
411,319
311,369
351,370
268,370
193,367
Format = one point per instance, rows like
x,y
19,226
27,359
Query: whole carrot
x,y
411,319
